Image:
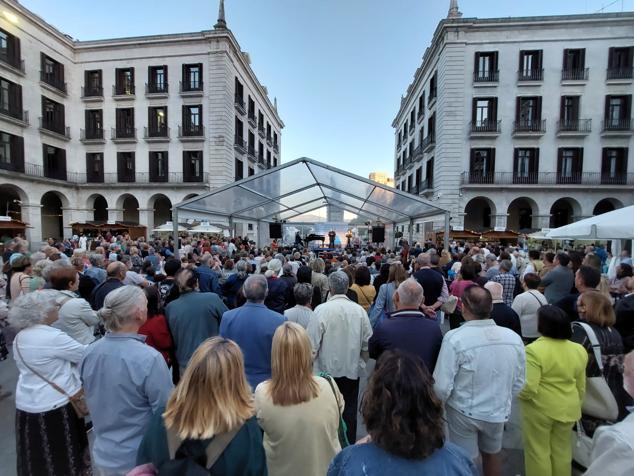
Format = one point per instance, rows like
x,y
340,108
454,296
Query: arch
x,y
521,213
606,205
53,215
189,196
564,211
11,199
479,212
130,206
99,205
162,207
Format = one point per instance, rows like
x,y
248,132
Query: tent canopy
x,y
614,225
305,185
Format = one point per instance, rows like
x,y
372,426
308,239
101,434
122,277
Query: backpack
x,y
194,457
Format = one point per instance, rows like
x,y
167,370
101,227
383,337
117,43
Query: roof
x,y
305,185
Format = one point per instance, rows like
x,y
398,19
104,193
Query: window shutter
x,y
491,165
575,107
132,77
611,58
565,63
517,108
579,162
153,166
131,117
604,161
493,110
133,164
61,163
495,61
606,114
582,58
562,109
165,74
42,62
625,112
200,70
186,168
150,79
60,72
472,161
538,112
17,153
87,122
521,65
535,162
540,55
476,62
515,160
474,104
624,154
15,52
560,160
61,116
184,75
16,97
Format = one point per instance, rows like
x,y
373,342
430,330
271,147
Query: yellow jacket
x,y
555,378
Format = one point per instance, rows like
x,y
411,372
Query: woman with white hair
x,y
125,376
279,297
50,436
233,285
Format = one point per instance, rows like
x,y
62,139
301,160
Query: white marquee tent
x,y
614,225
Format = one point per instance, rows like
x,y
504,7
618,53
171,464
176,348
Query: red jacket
x,y
158,336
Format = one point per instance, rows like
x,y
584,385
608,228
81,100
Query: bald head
x,y
117,270
496,290
409,294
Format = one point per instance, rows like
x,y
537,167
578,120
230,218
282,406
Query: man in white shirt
x,y
613,449
339,334
480,369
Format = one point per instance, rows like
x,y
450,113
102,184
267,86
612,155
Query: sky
x,y
337,67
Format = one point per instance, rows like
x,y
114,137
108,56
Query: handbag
x,y
581,446
342,431
78,401
449,306
599,401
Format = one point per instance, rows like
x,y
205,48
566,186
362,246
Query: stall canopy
x,y
305,185
614,225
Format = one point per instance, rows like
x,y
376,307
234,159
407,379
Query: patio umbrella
x,y
614,225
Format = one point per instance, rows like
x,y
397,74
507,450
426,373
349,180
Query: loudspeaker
x,y
378,234
275,230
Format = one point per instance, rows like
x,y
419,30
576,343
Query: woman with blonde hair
x,y
384,303
298,412
210,411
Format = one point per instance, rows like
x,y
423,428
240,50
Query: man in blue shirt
x,y
207,279
252,327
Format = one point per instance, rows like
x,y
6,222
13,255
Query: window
x,y
251,171
251,107
569,165
419,179
261,153
52,72
239,93
251,144
275,145
124,82
93,85
429,174
412,120
620,62
157,79
614,166
125,123
525,166
53,116
54,160
433,83
484,115
10,49
574,67
528,114
238,170
11,99
530,66
157,121
268,133
261,123
411,149
268,159
94,167
239,130
192,77
482,167
11,152
193,166
421,104
159,166
569,113
126,167
192,120
485,67
94,124
431,128
617,112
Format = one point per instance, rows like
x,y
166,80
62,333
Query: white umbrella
x,y
168,228
614,225
206,228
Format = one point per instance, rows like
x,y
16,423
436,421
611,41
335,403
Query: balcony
x,y
15,65
15,165
529,128
574,127
574,75
191,133
427,185
19,118
269,141
156,90
59,131
412,129
616,127
538,179
238,102
92,136
421,115
620,74
530,75
486,76
253,122
418,154
239,144
191,88
431,99
429,143
123,134
53,83
122,92
91,94
261,131
488,128
251,153
156,134
276,148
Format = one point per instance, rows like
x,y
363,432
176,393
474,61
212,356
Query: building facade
x,y
121,129
382,178
521,123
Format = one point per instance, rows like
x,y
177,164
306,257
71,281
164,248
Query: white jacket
x,y
76,318
481,367
613,450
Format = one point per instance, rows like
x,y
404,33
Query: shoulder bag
x,y
599,401
343,428
78,401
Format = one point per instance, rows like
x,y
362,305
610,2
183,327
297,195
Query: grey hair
x,y
241,269
273,268
120,306
206,258
186,280
410,293
52,266
318,265
255,288
279,256
338,283
303,293
37,256
32,308
506,265
287,268
96,259
424,259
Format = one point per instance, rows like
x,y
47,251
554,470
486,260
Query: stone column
x,y
499,221
541,221
457,221
74,215
146,218
32,216
115,214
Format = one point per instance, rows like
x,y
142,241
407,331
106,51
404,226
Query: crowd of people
x,y
221,357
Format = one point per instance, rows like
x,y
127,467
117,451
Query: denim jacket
x,y
481,367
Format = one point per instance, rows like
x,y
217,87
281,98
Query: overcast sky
x,y
337,67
